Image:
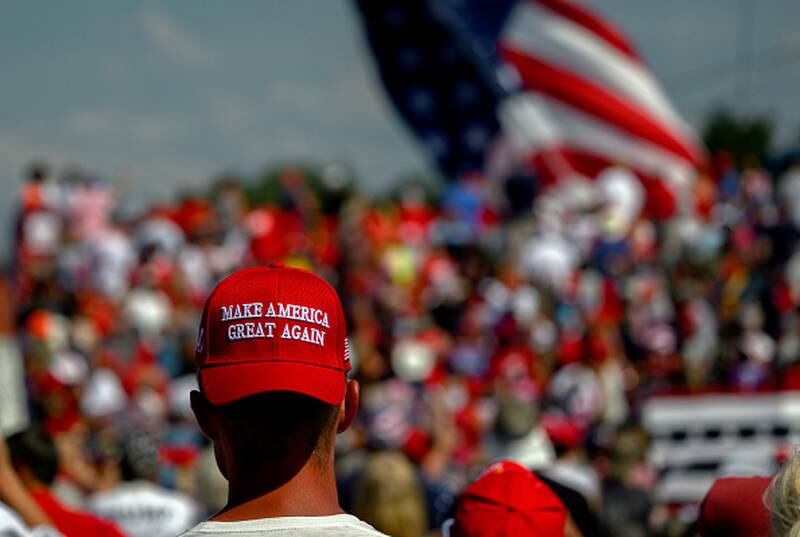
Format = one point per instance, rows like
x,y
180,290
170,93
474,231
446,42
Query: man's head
x,y
34,455
38,172
139,455
272,362
273,434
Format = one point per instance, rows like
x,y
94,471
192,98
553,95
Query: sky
x,y
160,96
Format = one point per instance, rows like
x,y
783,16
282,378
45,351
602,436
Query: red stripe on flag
x,y
596,101
585,163
591,22
660,202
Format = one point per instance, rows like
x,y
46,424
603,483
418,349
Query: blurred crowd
x,y
488,321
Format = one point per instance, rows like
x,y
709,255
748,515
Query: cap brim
x,y
225,384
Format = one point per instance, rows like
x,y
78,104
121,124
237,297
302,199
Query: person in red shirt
x,y
34,455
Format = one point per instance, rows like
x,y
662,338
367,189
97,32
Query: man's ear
x,y
349,406
202,412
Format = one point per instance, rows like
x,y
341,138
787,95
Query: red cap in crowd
x,y
734,506
272,329
508,499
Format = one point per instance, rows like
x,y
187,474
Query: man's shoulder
x,y
312,526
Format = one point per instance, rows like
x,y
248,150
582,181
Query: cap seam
x,y
341,330
268,361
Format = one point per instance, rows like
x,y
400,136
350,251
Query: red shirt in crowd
x,y
74,523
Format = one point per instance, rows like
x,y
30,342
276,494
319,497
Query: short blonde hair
x,y
390,497
783,499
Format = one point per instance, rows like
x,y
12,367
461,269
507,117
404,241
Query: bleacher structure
x,y
698,438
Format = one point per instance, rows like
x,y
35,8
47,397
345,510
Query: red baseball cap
x,y
508,499
269,329
734,506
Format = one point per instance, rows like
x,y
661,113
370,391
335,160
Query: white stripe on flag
x,y
558,41
536,123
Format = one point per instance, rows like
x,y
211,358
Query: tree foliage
x,y
743,137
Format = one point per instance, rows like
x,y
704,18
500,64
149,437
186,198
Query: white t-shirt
x,y
143,509
14,410
290,526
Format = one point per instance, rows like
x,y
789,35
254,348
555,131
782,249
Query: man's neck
x,y
311,492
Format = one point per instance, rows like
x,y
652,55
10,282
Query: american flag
x,y
555,82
